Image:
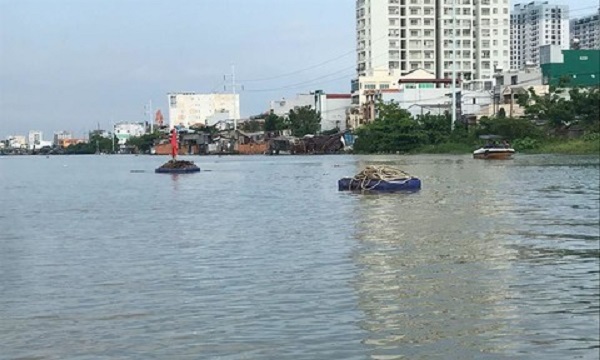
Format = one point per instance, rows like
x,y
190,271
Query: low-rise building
x,y
35,140
189,108
16,142
284,106
570,67
65,143
60,136
124,131
333,109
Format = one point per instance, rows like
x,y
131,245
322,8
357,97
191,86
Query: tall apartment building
x,y
404,35
188,109
587,31
533,25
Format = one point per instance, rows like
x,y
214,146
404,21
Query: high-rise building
x,y
585,32
401,36
533,25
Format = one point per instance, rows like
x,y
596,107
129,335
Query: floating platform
x,y
177,167
351,184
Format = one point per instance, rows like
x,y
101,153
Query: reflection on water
x,y
452,272
433,272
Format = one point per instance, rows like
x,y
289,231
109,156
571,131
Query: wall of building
x,y
187,109
580,67
282,107
61,135
253,149
124,131
419,34
17,141
333,109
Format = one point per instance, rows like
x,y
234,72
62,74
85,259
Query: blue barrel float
x,y
177,167
380,179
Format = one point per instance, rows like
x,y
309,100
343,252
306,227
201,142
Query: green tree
x,y
144,142
508,128
586,105
96,143
252,125
274,123
392,131
551,107
437,127
304,120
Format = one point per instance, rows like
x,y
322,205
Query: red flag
x,y
174,144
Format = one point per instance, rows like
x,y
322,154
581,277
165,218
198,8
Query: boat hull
x,y
494,154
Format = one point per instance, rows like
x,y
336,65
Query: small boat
x,y
493,150
494,153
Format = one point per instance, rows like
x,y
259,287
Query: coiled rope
x,y
372,176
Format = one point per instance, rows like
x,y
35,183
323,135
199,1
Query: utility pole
x,y
113,137
233,92
453,65
512,100
148,111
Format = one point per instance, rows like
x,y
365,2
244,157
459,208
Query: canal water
x,y
262,258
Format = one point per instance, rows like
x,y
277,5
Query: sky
x,y
78,64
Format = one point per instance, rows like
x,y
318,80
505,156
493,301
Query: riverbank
x,y
571,147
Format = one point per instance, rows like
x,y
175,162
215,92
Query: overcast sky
x,y
71,64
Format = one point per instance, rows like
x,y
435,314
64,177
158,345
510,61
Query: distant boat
x,y
494,153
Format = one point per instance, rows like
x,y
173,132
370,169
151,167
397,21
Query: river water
x,y
262,258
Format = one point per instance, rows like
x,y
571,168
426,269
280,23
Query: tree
x,y
551,107
274,123
96,143
586,105
392,131
252,125
508,128
304,120
437,127
144,142
561,110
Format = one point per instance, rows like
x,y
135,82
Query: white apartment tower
x,y
587,31
533,25
404,35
